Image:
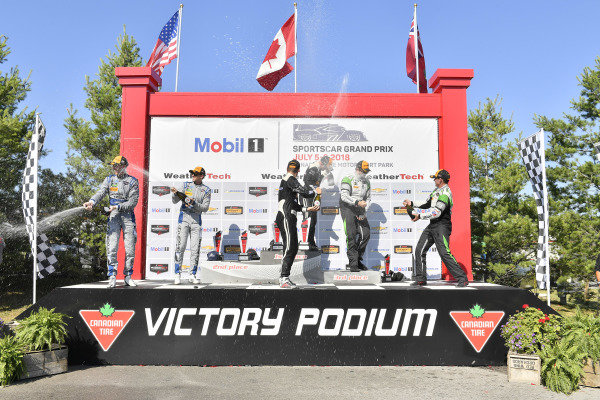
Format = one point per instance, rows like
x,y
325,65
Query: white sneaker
x,y
130,282
177,279
112,281
194,279
285,283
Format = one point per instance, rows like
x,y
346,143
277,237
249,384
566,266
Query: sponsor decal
x,y
208,230
161,190
330,249
234,210
403,249
160,210
377,191
257,190
159,268
477,324
402,230
256,145
402,191
209,248
235,191
298,257
159,229
172,175
106,324
257,229
159,248
235,321
379,230
257,211
232,249
235,145
330,210
331,229
400,211
212,211
326,133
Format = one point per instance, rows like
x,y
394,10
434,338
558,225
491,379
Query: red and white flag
x,y
275,65
411,64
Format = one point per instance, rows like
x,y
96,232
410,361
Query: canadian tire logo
x,y
477,324
161,190
257,229
106,324
257,190
159,229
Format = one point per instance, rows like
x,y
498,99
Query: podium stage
x,y
158,323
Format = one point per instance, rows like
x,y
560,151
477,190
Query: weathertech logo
x,y
234,210
257,190
329,210
400,211
106,324
159,229
159,268
403,249
161,190
477,324
330,249
257,229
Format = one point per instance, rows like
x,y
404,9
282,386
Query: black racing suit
x,y
286,220
312,179
438,209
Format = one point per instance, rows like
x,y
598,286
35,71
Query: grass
x,y
12,304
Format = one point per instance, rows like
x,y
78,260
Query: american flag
x,y
166,46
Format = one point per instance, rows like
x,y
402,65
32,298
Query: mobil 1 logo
x,y
256,145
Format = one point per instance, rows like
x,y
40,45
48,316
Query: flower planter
x,y
591,374
524,368
49,362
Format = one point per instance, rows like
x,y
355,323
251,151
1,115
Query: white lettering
x,y
179,331
308,316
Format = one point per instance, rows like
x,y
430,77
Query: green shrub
x,y
561,367
42,329
11,360
583,332
530,331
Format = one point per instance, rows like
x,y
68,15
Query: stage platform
x,y
158,323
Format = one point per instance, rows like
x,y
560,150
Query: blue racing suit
x,y
190,223
124,193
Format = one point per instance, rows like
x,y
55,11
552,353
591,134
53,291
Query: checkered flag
x,y
29,199
532,152
46,260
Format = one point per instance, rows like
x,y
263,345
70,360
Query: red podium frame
x,y
447,103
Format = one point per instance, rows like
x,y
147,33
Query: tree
x,y
574,180
93,143
503,223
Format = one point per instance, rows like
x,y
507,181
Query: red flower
x,y
525,305
542,320
539,309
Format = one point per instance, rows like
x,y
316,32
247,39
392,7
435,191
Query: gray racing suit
x,y
355,188
190,223
123,192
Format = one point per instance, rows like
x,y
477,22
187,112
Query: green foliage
x,y
11,360
93,142
503,222
582,331
42,329
561,367
531,331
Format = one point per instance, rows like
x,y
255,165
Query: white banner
x,y
245,159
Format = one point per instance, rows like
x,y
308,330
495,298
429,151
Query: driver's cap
x,y
442,174
363,166
198,171
119,160
294,164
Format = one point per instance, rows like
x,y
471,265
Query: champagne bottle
x,y
409,210
317,201
183,197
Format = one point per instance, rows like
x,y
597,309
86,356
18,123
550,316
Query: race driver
x,y
123,193
197,201
316,173
286,220
355,198
438,210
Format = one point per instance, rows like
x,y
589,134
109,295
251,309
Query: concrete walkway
x,y
320,383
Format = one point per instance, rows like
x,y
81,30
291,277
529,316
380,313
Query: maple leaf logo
x,y
477,311
107,310
272,53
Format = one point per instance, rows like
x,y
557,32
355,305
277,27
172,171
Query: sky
x,y
530,53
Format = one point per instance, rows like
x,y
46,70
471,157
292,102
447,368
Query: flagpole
x,y
178,45
34,138
416,40
296,47
546,215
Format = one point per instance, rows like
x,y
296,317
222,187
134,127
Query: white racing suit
x,y
438,210
314,177
355,188
190,223
123,192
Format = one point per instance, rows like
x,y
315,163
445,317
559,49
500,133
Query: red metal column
x,y
137,84
452,84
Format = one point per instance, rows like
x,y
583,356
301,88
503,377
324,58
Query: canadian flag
x,y
275,65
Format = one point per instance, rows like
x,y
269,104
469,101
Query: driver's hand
x,y
313,208
88,205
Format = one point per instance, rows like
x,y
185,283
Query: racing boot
x,y
313,247
195,279
419,283
177,279
130,282
112,281
284,282
362,266
462,283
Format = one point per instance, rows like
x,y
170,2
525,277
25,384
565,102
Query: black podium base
x,y
158,323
